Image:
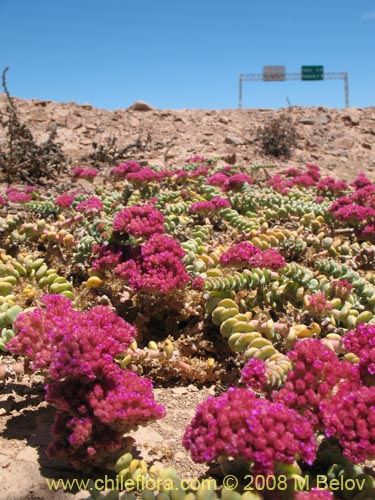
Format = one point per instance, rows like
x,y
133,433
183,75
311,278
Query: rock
x,y
351,119
224,120
306,121
141,106
86,105
236,141
366,145
73,122
230,159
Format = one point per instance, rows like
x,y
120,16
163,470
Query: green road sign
x,y
312,73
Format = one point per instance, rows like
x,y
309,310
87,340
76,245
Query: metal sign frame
x,y
252,77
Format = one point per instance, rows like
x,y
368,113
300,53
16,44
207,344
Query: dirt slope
x,y
339,141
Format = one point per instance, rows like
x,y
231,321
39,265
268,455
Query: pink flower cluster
x,y
217,179
64,200
329,185
15,195
340,289
142,176
107,256
318,305
90,206
246,254
205,207
361,181
361,341
350,416
158,269
316,376
358,209
97,401
85,173
254,374
236,181
295,177
122,170
139,221
196,159
238,424
240,253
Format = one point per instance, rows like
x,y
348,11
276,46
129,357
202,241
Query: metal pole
x,y
240,92
346,83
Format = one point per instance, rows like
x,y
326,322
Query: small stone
x,y
366,145
141,106
86,105
223,120
306,121
236,141
73,122
230,159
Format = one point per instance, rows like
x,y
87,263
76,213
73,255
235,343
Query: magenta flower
x,y
14,195
122,170
65,200
235,181
139,221
239,425
85,173
350,417
240,253
90,206
316,376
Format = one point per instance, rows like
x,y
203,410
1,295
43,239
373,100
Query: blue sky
x,y
179,54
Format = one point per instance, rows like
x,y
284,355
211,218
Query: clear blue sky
x,y
186,53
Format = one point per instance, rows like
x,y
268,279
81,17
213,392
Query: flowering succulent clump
x,y
121,171
158,269
329,185
197,283
246,254
317,304
144,175
235,181
361,181
349,416
64,200
196,159
254,374
97,400
361,341
198,172
85,173
217,179
237,424
340,289
268,259
202,207
14,195
220,202
90,206
107,256
316,375
240,253
139,221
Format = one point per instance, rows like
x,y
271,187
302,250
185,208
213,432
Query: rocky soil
x,y
339,141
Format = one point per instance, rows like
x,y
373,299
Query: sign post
x,y
273,73
312,73
278,74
